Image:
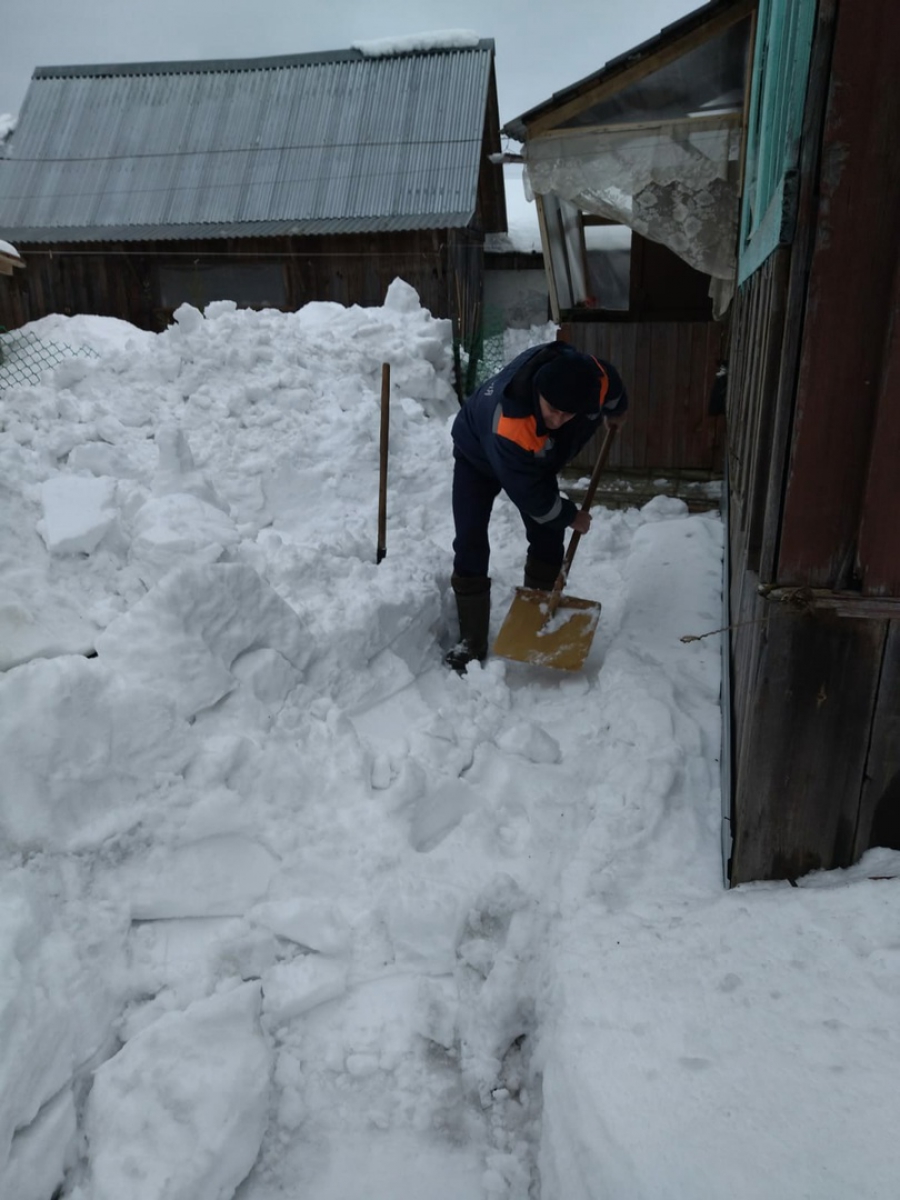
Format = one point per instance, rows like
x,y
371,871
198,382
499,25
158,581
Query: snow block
x,y
179,1113
41,1153
78,511
220,876
60,991
81,748
316,924
294,988
185,636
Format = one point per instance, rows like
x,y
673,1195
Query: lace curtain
x,y
674,183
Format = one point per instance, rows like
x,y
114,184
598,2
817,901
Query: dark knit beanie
x,y
570,382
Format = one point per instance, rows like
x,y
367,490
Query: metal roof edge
x,y
212,65
218,231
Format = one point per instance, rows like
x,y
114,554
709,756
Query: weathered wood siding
x,y
121,280
668,368
843,391
813,447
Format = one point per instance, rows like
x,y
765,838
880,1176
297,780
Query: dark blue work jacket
x,y
500,431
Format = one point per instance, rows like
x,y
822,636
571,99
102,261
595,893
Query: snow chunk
x,y
177,471
80,748
402,297
443,39
438,813
315,924
78,511
294,988
103,335
59,994
424,920
186,635
42,1151
188,318
530,742
219,876
24,636
172,1115
174,527
664,508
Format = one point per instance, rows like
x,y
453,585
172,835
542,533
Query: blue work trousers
x,y
473,498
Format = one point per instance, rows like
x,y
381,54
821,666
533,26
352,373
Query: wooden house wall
x,y
668,368
846,388
121,280
812,450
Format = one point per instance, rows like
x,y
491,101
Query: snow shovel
x,y
548,629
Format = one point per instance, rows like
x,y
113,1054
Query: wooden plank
x,y
685,126
853,605
849,289
879,809
658,396
805,745
879,534
685,426
642,398
623,447
769,368
798,257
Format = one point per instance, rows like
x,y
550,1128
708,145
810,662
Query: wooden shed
x,y
641,161
814,445
272,182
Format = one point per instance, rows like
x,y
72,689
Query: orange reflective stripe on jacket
x,y
522,431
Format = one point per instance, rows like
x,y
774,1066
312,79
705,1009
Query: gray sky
x,y
539,49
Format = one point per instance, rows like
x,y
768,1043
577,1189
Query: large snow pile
x,y
288,909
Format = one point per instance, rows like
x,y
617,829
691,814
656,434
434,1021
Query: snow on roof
x,y
442,39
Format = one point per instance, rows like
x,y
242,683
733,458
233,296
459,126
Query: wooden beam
x,y
631,71
548,259
879,810
879,535
714,121
842,604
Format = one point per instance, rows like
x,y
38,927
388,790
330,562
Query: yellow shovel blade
x,y
529,635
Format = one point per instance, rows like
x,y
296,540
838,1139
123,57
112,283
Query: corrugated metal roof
x,y
319,143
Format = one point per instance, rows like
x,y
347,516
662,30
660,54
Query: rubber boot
x,y
473,604
541,575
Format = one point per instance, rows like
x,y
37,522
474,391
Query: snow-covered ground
x,y
288,910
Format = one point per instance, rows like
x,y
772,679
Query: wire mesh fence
x,y
24,357
491,358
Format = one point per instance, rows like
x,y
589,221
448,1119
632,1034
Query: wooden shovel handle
x,y
381,549
556,593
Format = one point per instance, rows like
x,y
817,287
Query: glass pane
x,y
249,285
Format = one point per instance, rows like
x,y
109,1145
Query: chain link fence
x,y
492,358
24,357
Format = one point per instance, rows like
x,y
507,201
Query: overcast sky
x,y
540,48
